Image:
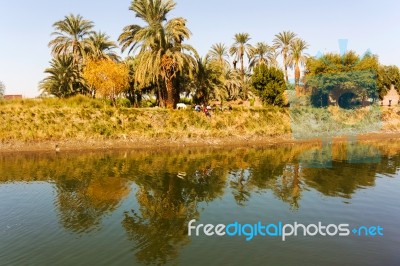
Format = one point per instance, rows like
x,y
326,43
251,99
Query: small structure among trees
x,y
13,97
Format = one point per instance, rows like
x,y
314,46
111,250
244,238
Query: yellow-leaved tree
x,y
107,78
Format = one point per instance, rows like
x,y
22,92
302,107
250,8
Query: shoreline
x,y
160,143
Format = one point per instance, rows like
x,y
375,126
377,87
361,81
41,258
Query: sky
x,y
26,25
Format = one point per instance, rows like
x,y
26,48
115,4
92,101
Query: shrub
x,y
123,102
270,85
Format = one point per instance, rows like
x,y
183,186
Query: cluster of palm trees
x,y
74,42
235,83
161,62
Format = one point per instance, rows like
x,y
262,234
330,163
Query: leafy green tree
x,y
99,47
269,82
71,37
282,42
162,55
387,76
346,72
63,78
297,57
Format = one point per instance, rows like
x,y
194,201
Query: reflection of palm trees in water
x,y
83,202
239,183
284,181
287,187
167,204
91,186
201,174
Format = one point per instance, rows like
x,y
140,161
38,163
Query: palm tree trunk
x,y
170,102
242,66
160,96
286,67
242,73
296,182
297,75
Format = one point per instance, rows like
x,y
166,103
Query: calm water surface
x,y
133,208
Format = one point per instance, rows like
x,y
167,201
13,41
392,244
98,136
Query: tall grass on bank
x,y
82,118
310,122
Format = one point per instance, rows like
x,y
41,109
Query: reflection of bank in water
x,y
140,192
310,123
350,152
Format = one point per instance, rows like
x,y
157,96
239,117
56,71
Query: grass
x,y
308,122
81,118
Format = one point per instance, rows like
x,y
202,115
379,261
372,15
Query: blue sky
x,y
25,28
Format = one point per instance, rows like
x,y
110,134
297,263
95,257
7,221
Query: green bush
x,y
149,103
270,85
123,102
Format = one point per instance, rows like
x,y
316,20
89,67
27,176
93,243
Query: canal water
x,y
134,207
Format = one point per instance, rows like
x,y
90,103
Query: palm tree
x,y
241,47
282,42
261,53
297,57
233,82
273,61
99,46
209,81
64,78
162,55
219,53
71,36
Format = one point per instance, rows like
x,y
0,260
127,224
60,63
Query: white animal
x,y
181,106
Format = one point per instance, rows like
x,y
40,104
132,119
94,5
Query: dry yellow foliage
x,y
106,77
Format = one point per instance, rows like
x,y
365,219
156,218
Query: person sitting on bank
x,y
206,112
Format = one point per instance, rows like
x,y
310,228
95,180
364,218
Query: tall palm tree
x,y
219,53
297,57
71,36
261,53
154,14
162,55
273,61
63,78
240,48
282,42
99,46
